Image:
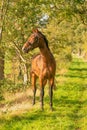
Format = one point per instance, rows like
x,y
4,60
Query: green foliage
x,y
9,86
1,96
23,15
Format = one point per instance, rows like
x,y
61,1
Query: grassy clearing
x,y
70,105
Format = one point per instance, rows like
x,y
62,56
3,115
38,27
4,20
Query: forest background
x,y
64,23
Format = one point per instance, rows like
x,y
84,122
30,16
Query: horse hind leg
x,y
33,81
51,85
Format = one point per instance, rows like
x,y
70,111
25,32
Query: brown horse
x,y
43,65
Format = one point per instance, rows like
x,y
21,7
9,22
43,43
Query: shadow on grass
x,y
30,117
76,62
64,101
78,69
75,76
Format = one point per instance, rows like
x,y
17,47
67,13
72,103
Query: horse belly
x,y
48,73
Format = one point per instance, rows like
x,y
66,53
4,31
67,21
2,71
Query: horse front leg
x,y
51,85
41,94
42,97
33,80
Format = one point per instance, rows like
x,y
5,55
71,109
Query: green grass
x,y
70,106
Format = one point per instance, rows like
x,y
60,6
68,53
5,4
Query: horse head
x,y
32,42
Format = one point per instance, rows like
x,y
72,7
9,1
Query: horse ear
x,y
35,30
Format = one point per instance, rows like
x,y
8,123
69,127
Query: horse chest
x,y
42,68
47,71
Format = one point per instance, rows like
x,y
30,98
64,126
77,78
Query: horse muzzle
x,y
24,50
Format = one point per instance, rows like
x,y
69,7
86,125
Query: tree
x,y
58,20
20,19
4,8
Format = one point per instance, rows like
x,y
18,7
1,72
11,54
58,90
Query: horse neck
x,y
45,52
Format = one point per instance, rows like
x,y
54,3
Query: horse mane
x,y
45,39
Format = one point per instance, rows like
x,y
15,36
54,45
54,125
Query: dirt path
x,y
17,103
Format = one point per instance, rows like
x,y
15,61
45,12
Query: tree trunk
x,y
1,66
25,74
3,12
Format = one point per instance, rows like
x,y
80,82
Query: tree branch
x,y
19,52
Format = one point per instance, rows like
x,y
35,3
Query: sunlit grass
x,y
70,105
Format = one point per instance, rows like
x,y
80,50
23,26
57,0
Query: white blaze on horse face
x,y
25,48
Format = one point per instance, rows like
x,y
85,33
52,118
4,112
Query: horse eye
x,y
30,44
36,38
